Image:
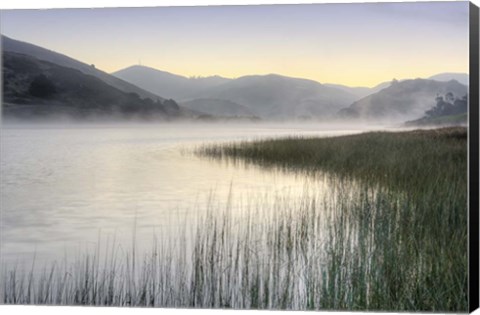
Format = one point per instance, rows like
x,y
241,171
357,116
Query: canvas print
x,y
280,157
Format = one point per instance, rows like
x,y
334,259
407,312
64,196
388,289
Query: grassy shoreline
x,y
394,239
424,176
392,158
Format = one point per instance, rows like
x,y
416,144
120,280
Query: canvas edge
x,y
474,160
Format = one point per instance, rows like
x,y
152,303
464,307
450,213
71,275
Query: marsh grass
x,y
409,248
390,235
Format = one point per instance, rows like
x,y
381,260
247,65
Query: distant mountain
x,y
382,85
218,107
11,45
168,84
34,88
463,78
359,92
266,96
402,101
279,97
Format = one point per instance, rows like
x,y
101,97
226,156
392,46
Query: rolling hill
x,y
402,101
462,78
279,97
34,88
267,96
168,84
15,46
270,97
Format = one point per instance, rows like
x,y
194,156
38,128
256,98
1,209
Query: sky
x,y
350,44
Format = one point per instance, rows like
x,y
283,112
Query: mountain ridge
x,y
41,53
274,102
271,96
404,100
267,96
166,83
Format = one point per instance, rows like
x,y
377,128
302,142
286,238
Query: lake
x,y
67,188
144,215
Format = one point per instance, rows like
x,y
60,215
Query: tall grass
x,y
406,160
392,238
411,238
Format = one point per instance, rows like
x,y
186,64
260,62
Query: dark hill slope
x,y
15,46
34,88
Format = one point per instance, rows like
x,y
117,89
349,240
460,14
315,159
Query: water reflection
x,y
61,187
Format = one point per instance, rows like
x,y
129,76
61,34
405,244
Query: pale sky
x,y
351,44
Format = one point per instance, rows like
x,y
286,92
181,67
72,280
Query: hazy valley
x,y
79,91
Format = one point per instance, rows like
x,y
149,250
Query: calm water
x,y
65,187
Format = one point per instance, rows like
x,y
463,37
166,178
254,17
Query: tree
x,y
449,97
448,106
42,87
171,104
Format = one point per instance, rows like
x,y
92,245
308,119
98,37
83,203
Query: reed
x,y
391,234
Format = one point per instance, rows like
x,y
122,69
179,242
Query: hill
x,y
279,97
448,110
267,96
168,84
34,88
15,46
462,78
402,101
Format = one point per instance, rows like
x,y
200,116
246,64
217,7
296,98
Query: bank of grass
x,y
409,160
409,250
390,235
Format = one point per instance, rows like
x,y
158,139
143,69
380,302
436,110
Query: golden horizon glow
x,y
349,44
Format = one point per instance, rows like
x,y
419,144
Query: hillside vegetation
x,y
34,88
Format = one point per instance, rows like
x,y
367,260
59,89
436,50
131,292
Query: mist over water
x,y
65,187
